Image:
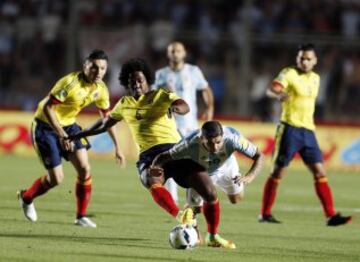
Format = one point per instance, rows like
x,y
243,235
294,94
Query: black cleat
x,y
338,219
268,219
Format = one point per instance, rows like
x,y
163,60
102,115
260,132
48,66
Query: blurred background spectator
x,y
239,44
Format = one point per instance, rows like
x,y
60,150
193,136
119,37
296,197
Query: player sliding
x,y
213,147
149,114
55,120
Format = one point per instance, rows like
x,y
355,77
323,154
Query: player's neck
x,y
177,66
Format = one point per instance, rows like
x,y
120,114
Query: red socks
x,y
212,216
164,199
39,187
323,191
83,193
269,195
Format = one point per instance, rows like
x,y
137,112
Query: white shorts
x,y
221,178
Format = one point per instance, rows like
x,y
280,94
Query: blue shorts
x,y
179,170
291,140
47,145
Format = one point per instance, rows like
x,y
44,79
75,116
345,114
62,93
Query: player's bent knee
x,y
84,171
234,199
210,195
56,180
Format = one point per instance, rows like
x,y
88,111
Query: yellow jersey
x,y
149,119
73,94
302,89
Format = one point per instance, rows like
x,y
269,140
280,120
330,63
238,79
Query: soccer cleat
x,y
268,219
217,241
84,222
338,219
186,217
29,209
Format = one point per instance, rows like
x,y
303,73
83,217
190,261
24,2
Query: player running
x,y
149,114
213,147
55,120
185,80
297,89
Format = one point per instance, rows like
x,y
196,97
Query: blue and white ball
x,y
183,237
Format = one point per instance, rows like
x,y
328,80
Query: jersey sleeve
x,y
283,78
201,82
116,112
103,101
62,88
243,145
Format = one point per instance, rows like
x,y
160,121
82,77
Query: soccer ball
x,y
183,237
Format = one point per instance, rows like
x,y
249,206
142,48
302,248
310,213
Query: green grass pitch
x,y
131,227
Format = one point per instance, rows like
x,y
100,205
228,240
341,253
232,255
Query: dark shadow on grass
x,y
75,238
139,257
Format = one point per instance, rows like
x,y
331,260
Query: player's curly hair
x,y
133,65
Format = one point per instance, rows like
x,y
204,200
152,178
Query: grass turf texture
x,y
131,227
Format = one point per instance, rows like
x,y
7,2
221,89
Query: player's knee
x,y
236,198
210,194
84,171
56,180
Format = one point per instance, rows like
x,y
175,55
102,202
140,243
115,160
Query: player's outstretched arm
x,y
180,107
98,127
253,171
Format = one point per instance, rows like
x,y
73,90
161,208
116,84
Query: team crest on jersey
x,y
96,95
63,93
138,115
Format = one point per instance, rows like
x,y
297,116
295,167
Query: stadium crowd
x,y
35,36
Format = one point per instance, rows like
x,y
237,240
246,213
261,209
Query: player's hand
x,y
243,179
120,158
282,96
66,144
72,137
156,171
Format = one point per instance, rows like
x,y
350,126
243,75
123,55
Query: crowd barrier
x,y
340,144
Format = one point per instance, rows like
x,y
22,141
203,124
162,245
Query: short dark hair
x,y
97,54
306,47
211,129
133,65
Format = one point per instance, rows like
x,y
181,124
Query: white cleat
x,y
85,222
29,209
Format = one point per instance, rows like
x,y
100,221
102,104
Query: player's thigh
x,y
311,153
189,174
46,144
224,178
288,141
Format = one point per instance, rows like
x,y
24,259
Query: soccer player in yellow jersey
x,y
149,114
297,88
55,120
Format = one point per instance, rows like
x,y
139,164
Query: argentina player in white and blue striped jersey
x,y
213,147
185,80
